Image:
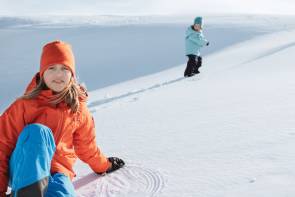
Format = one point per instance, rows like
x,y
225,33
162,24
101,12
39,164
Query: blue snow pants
x,y
31,160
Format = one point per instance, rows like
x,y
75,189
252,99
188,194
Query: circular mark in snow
x,y
131,181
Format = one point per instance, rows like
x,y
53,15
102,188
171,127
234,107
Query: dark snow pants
x,y
193,65
30,163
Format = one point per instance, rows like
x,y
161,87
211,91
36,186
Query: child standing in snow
x,y
43,132
194,41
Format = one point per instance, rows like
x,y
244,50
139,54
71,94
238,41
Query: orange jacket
x,y
74,134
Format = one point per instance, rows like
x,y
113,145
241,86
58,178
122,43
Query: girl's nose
x,y
59,73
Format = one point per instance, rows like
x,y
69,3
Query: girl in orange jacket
x,y
43,132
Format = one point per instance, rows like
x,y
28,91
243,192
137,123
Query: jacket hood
x,y
33,83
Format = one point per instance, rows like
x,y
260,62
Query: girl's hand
x,y
117,163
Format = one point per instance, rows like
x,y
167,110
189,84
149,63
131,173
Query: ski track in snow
x,y
97,103
108,100
129,181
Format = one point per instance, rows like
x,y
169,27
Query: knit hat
x,y
57,52
198,21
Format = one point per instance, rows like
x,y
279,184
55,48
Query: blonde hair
x,y
71,95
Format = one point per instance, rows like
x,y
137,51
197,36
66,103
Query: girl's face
x,y
57,77
197,27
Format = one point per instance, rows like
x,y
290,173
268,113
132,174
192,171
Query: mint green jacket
x,y
194,41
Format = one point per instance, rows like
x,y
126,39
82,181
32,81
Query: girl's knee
x,y
37,127
37,133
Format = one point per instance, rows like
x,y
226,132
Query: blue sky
x,y
183,7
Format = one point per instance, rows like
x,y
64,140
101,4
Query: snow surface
x,y
227,132
124,48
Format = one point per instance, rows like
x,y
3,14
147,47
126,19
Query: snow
x,y
226,132
129,7
118,51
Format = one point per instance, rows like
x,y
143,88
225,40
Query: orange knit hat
x,y
57,52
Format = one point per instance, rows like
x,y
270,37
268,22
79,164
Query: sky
x,y
145,7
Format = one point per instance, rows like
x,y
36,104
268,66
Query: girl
x,y
43,132
194,41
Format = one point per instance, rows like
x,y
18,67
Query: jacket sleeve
x,y
11,124
198,39
85,144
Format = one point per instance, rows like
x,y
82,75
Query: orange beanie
x,y
57,52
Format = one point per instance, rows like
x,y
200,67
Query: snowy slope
x,y
113,49
227,132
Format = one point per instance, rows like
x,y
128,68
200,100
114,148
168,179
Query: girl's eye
x,y
65,68
51,68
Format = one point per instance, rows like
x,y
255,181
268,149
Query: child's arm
x,y
85,145
198,39
11,124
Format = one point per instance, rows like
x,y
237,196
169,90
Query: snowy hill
x,y
114,49
228,132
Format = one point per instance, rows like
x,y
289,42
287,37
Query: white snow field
x,y
113,49
228,132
